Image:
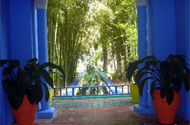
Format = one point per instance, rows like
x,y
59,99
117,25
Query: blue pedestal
x,y
144,109
48,113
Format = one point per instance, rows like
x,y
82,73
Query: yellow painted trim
x,y
50,95
134,90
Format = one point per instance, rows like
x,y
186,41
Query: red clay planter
x,y
25,115
166,113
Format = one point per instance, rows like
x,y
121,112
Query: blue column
x,y
150,44
187,31
41,5
35,32
142,107
42,45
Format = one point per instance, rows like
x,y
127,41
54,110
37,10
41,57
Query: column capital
x,y
141,2
41,4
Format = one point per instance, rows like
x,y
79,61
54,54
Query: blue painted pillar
x,y
41,6
142,107
187,23
42,42
150,44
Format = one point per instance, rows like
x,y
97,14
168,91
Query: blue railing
x,y
91,90
75,90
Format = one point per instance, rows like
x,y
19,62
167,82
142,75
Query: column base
x,y
48,113
144,109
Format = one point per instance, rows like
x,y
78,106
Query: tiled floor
x,y
98,103
100,112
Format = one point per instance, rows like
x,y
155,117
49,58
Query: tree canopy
x,y
77,26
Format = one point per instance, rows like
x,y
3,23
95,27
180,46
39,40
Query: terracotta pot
x,y
25,115
166,113
134,90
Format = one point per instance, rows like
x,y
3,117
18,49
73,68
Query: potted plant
x,y
166,78
23,87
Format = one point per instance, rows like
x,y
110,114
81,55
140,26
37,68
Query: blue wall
x,y
18,40
21,37
4,30
163,28
182,41
6,116
168,33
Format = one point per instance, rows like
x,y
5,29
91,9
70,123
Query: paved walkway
x,y
98,103
114,111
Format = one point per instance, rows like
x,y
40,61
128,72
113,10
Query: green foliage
x,y
18,82
116,76
167,75
91,78
87,77
77,73
104,73
90,65
118,31
67,35
74,26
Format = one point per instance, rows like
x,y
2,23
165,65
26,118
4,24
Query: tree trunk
x,y
105,55
118,63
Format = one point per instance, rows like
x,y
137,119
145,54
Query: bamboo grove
x,y
75,26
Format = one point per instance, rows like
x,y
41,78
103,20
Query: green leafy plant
x,y
90,65
167,75
91,77
104,73
18,82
